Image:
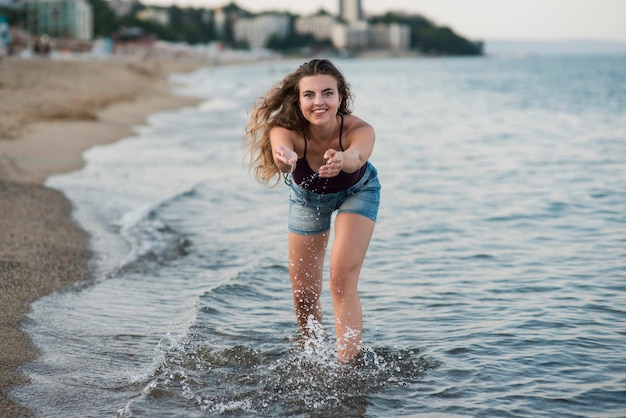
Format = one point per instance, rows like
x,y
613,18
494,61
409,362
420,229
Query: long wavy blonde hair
x,y
281,107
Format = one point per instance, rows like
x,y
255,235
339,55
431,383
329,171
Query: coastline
x,y
57,110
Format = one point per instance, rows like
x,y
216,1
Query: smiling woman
x,y
304,127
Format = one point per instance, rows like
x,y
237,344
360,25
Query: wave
x,y
218,104
151,239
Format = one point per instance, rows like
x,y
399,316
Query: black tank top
x,y
305,177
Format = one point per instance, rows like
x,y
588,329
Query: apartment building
x,y
394,37
59,18
320,26
258,30
350,31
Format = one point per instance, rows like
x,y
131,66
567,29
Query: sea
x,y
494,285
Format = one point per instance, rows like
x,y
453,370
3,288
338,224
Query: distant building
x,y
349,31
258,30
320,26
354,36
121,8
59,18
394,37
220,18
350,11
152,14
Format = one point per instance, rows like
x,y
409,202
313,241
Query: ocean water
x,y
495,283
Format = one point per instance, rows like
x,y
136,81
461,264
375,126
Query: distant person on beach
x,y
303,130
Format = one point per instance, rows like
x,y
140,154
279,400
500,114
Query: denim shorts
x,y
310,213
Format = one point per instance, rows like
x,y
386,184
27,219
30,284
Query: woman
x,y
303,129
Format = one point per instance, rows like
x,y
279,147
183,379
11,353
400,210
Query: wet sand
x,y
51,111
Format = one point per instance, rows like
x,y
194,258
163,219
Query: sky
x,y
528,20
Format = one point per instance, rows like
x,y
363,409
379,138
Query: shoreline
x,y
57,111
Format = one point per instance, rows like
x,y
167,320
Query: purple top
x,y
305,177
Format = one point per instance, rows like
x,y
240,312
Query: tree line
x,y
197,26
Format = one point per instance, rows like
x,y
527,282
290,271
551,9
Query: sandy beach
x,y
51,111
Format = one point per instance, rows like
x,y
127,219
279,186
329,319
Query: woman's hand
x,y
333,164
286,156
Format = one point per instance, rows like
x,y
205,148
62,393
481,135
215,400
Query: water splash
x,y
299,376
308,182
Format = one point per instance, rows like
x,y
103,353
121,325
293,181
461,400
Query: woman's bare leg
x,y
306,264
352,237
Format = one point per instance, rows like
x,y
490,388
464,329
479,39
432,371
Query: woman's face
x,y
319,98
